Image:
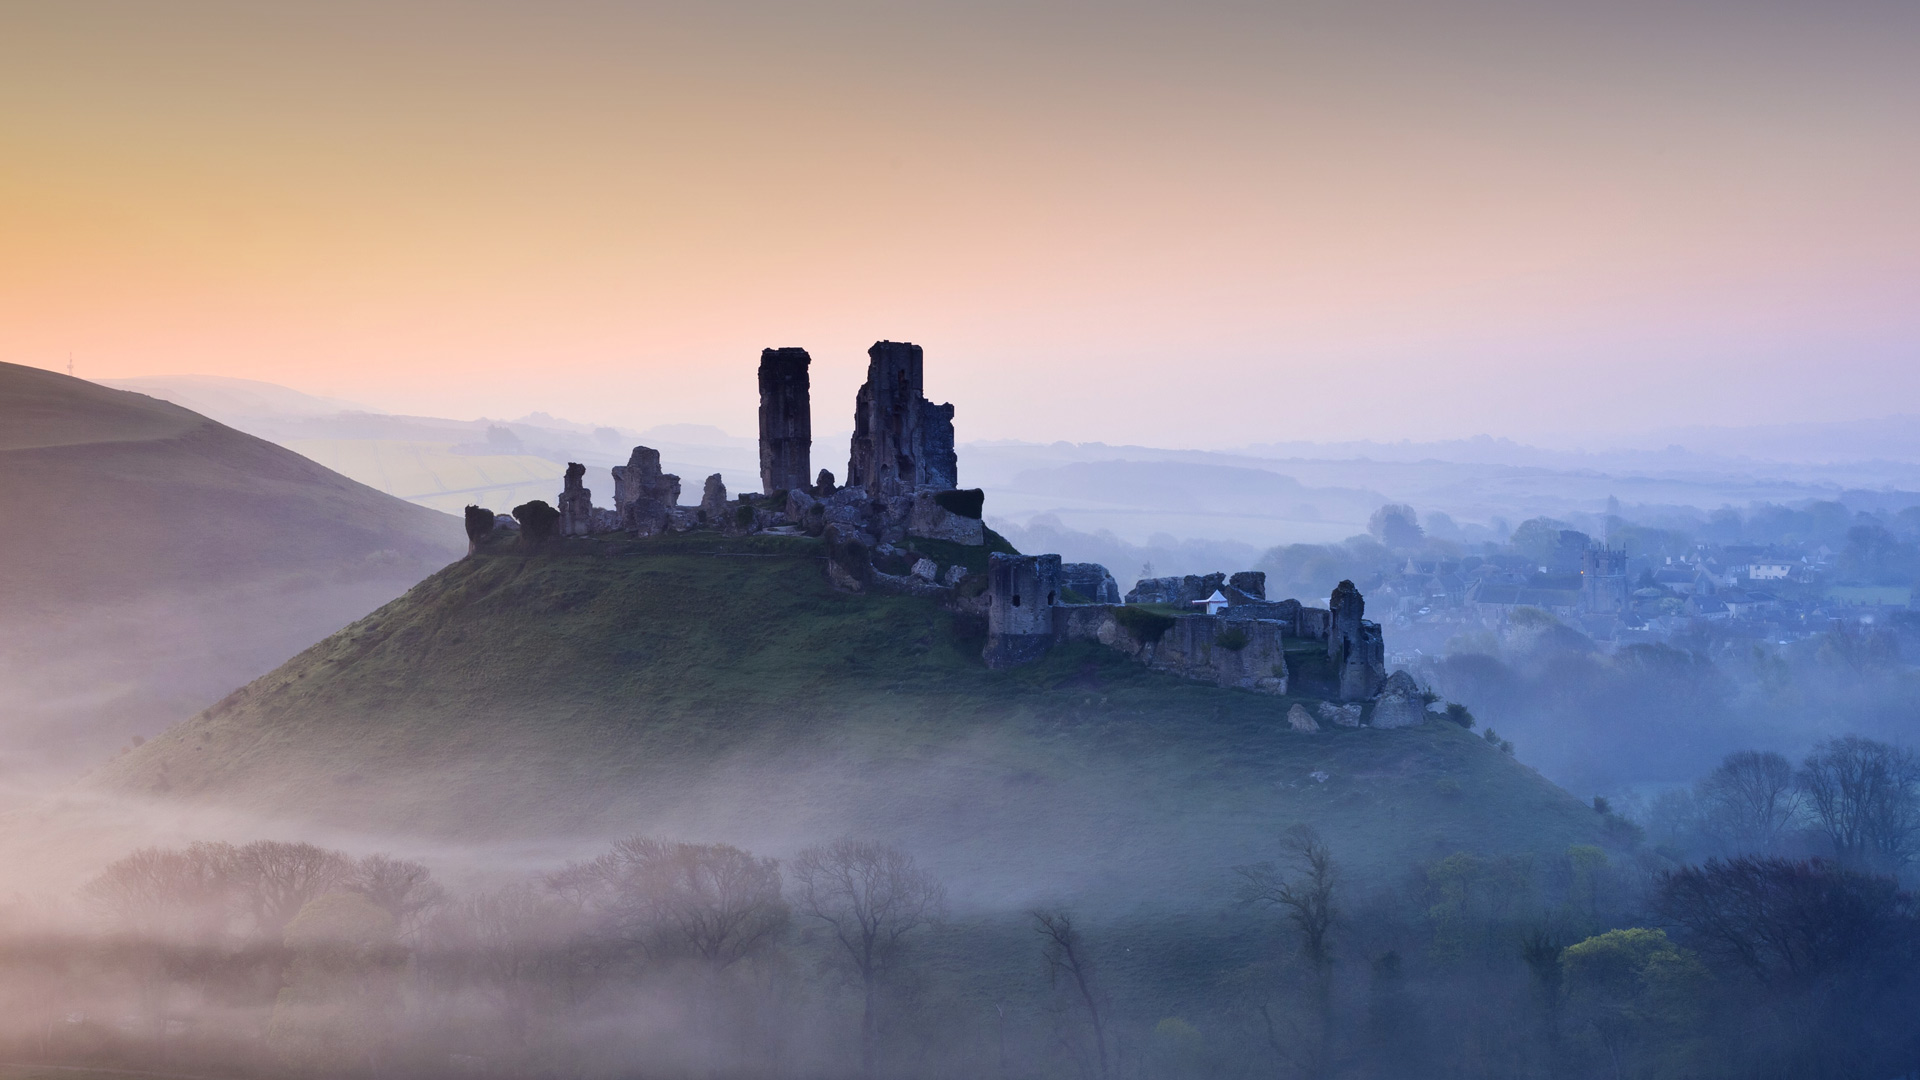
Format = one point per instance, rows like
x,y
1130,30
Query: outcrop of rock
x,y
1400,703
643,496
1299,719
786,420
901,441
576,503
1090,580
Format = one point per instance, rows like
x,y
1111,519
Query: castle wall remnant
x,y
1090,580
713,501
786,420
643,496
576,503
1355,647
901,441
1022,592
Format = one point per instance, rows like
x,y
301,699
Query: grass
x,y
720,689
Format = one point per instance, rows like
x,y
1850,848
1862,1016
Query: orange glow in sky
x,y
1171,224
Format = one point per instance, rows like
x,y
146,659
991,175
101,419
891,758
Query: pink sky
x,y
1173,224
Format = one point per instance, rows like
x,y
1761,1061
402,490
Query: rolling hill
x,y
719,689
155,558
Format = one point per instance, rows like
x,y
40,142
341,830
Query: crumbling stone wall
x,y
1355,646
901,441
786,420
1248,654
643,496
714,511
1090,580
1175,590
575,503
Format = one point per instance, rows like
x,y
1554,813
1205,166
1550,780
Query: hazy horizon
x,y
1219,227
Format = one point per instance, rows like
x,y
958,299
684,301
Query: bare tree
x,y
278,879
168,892
1306,900
1865,795
404,890
713,901
1066,955
871,896
1750,801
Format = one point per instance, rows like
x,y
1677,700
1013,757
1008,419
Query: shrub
x,y
967,502
1459,714
537,521
743,517
1145,626
1233,639
479,523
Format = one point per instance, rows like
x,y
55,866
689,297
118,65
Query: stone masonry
x,y
643,496
786,420
576,503
901,441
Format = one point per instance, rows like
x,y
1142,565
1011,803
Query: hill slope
x,y
715,689
156,558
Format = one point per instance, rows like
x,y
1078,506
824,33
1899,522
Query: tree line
x,y
1759,929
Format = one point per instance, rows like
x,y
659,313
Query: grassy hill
x,y
154,559
720,689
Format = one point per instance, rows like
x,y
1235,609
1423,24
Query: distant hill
x,y
720,689
154,558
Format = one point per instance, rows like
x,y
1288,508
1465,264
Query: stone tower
x,y
1603,581
1022,591
901,441
786,420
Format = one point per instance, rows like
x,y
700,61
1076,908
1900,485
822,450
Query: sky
x,y
1200,224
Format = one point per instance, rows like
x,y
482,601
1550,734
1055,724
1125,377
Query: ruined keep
x,y
901,441
786,420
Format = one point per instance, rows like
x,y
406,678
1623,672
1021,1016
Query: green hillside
x,y
720,689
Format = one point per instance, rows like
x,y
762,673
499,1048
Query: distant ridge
x,y
155,558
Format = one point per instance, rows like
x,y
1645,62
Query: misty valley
x,y
854,776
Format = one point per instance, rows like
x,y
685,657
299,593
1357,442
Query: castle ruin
x,y
786,420
901,441
900,508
